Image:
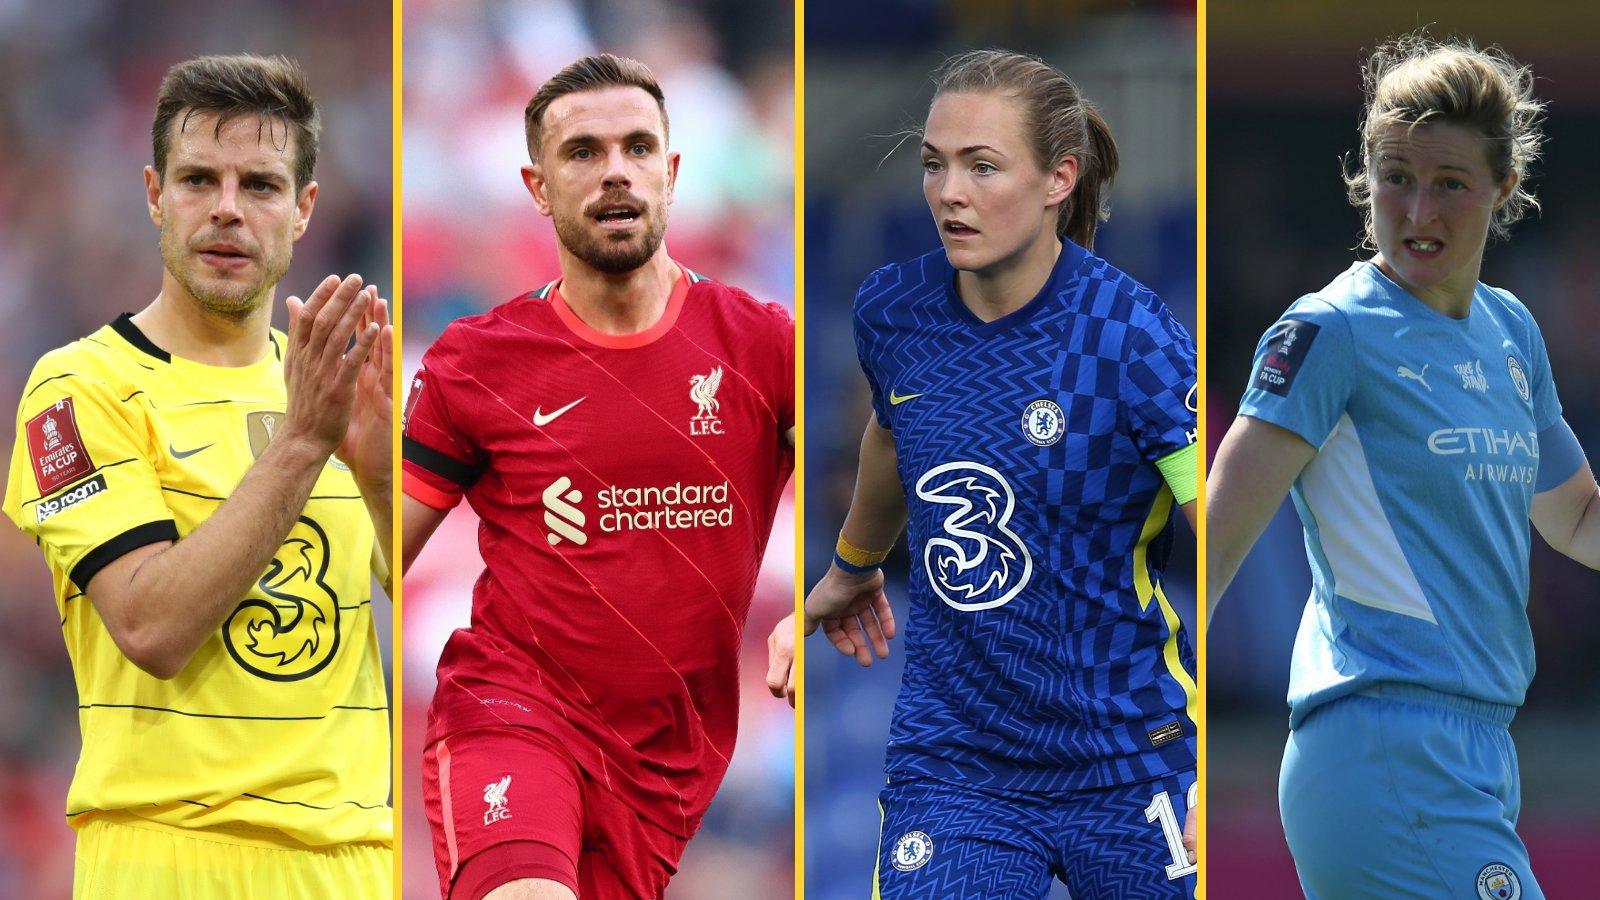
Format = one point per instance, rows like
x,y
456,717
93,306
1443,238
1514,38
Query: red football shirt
x,y
626,487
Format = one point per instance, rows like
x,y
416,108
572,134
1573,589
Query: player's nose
x,y
952,190
225,206
616,174
1423,207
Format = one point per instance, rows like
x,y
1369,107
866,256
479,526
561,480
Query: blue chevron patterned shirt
x,y
1041,653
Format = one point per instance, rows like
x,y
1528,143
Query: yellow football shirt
x,y
280,721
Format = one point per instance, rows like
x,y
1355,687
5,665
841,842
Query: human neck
x,y
1008,285
1451,297
627,303
178,324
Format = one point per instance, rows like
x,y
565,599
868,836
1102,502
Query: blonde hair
x,y
1062,122
1415,80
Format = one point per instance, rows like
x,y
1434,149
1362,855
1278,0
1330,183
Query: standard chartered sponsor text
x,y
676,505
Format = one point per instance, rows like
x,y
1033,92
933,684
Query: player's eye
x,y
984,168
931,165
193,179
1454,184
640,149
260,187
1394,178
582,153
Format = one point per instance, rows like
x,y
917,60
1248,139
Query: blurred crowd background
x,y
77,249
473,240
1285,94
867,87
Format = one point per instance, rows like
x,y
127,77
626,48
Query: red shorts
x,y
510,803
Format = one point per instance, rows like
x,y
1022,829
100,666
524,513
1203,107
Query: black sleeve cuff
x,y
447,467
108,552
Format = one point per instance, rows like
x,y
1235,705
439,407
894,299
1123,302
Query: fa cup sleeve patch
x,y
58,455
1287,345
411,401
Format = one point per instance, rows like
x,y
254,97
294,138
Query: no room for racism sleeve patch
x,y
1287,345
57,452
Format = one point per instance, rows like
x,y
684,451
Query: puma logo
x,y
1419,377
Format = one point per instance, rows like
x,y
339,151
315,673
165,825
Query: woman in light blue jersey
x,y
1033,428
1413,412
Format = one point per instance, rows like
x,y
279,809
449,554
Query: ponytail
x,y
1088,204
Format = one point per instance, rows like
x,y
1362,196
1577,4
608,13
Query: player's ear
x,y
152,193
533,178
1063,178
1506,189
303,207
673,159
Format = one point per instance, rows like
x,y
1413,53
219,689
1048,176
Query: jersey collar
x,y
1067,263
125,329
669,317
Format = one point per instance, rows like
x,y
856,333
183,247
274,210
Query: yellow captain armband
x,y
1181,470
851,558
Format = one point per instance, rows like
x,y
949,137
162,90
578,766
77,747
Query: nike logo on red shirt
x,y
542,419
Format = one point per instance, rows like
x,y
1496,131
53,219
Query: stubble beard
x,y
610,255
234,301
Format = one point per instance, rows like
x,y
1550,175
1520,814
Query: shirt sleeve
x,y
864,336
1158,386
82,482
786,398
439,460
1304,371
1546,400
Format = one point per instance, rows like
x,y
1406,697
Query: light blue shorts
x,y
1404,792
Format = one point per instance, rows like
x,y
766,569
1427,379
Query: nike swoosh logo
x,y
185,454
542,419
897,399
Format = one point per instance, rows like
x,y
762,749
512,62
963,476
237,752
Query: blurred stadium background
x,y
473,240
1284,96
77,248
867,84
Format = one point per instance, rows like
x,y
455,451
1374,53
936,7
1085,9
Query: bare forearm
x,y
1585,546
161,603
1230,533
1568,517
878,506
1255,466
175,599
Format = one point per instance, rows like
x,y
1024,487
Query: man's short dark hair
x,y
590,73
270,87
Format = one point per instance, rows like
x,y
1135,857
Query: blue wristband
x,y
851,567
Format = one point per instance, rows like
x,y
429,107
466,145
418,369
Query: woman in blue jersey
x,y
1413,411
1033,424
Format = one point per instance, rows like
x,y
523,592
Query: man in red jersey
x,y
624,434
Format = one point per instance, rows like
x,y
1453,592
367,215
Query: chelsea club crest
x,y
1043,422
912,851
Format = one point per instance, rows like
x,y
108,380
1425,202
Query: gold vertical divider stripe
x,y
799,449
396,299
1200,435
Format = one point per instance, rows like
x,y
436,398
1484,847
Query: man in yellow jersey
x,y
207,492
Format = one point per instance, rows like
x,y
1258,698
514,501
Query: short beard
x,y
609,256
231,305
237,303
